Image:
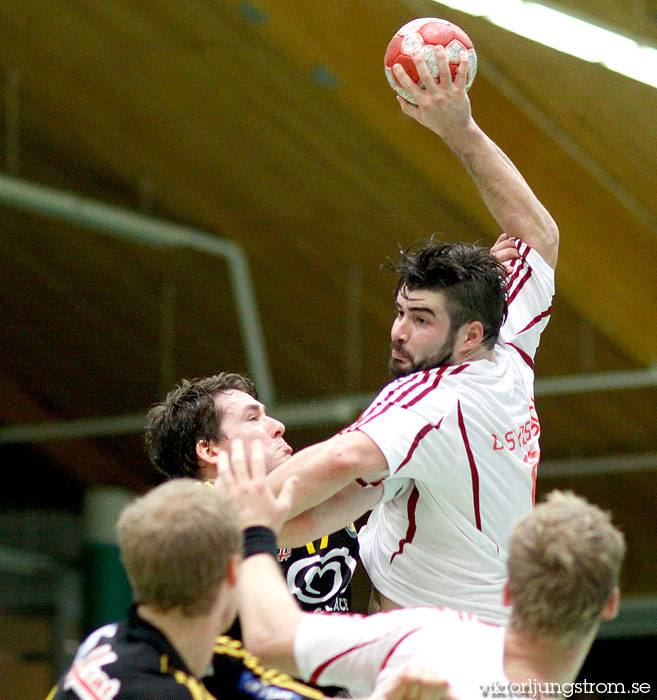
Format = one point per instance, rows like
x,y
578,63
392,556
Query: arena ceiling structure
x,y
197,186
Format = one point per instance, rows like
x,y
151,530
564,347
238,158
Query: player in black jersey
x,y
185,433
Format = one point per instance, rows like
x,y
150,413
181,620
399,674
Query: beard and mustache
x,y
441,358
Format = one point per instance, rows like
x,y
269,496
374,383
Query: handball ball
x,y
423,34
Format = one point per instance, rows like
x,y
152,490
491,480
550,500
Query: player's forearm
x,y
326,468
269,616
339,511
321,474
504,190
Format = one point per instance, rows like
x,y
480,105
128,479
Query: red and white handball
x,y
423,34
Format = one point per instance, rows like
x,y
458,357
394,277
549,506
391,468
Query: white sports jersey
x,y
468,437
365,654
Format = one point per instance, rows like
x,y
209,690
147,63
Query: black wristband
x,y
259,540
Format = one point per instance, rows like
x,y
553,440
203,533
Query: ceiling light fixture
x,y
567,34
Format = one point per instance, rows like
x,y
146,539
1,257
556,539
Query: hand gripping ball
x,y
423,34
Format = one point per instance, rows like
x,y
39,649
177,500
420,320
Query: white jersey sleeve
x,y
366,654
530,289
343,650
396,421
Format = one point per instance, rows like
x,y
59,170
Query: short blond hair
x,y
564,563
176,542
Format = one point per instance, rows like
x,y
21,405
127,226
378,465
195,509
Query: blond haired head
x,y
564,565
176,542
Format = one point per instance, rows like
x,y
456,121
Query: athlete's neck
x,y
479,353
528,658
192,637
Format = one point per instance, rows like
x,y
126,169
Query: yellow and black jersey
x,y
125,661
319,574
238,674
132,660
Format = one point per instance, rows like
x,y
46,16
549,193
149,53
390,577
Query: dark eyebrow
x,y
418,309
422,310
252,407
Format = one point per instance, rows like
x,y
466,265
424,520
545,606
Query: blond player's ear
x,y
506,594
613,604
232,570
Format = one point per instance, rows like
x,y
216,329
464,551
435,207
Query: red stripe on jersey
x,y
520,266
369,411
424,376
522,354
423,393
523,249
516,267
419,379
537,319
92,692
517,264
439,375
314,678
416,442
520,285
394,647
377,404
383,408
473,468
412,525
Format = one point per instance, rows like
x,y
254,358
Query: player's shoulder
x,y
231,651
438,384
118,673
171,683
447,387
234,666
433,613
528,256
462,628
530,267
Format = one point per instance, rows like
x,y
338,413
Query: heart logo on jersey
x,y
316,578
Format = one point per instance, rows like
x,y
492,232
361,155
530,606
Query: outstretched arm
x,y
444,107
328,467
340,510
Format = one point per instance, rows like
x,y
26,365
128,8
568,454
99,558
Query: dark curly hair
x,y
471,278
187,415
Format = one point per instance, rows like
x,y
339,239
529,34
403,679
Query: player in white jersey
x,y
459,421
467,434
563,570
